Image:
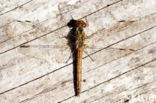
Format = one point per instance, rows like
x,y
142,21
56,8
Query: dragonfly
x,y
76,41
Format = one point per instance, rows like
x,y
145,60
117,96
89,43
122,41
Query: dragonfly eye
x,y
71,23
80,23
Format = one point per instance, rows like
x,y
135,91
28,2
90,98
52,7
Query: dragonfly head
x,y
76,23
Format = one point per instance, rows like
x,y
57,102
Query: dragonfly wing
x,y
51,48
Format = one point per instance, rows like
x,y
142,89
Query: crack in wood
x,y
45,91
16,7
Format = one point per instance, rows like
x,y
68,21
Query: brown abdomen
x,y
79,71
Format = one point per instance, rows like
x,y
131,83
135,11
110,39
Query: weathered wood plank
x,y
124,39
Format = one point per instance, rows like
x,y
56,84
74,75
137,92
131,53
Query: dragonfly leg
x,y
85,46
88,55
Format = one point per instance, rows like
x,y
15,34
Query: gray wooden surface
x,y
123,47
